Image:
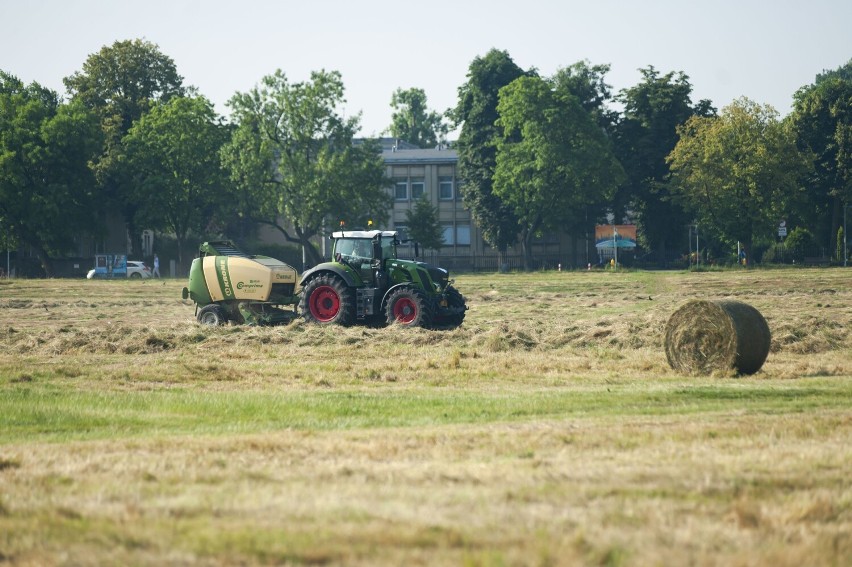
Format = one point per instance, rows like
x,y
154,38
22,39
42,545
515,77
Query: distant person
x,y
156,273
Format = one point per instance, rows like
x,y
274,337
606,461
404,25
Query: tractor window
x,y
363,249
388,247
345,247
357,250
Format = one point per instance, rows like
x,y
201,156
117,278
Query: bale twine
x,y
704,336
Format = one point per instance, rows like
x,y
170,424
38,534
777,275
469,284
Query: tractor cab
x,y
365,252
372,244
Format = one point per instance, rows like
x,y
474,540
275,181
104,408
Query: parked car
x,y
136,269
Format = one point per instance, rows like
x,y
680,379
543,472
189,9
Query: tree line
x,y
544,153
536,154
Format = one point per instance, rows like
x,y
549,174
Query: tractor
x,y
229,285
366,282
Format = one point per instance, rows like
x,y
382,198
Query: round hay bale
x,y
704,336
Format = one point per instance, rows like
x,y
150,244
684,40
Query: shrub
x,y
798,243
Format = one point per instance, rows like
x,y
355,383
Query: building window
x,y
400,191
463,235
418,188
449,235
445,188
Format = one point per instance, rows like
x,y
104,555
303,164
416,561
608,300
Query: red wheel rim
x,y
325,303
405,310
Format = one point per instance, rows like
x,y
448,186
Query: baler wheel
x,y
212,315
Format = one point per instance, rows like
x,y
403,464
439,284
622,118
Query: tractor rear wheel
x,y
327,300
212,315
410,307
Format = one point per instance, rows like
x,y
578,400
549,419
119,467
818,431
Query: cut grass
x,y
547,430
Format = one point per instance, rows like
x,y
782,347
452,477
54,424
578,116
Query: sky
x,y
763,50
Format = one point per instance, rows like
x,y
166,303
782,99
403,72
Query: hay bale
x,y
705,336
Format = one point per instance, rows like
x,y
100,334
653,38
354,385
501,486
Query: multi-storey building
x,y
433,173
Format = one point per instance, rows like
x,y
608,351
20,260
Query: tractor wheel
x,y
410,307
212,315
327,300
454,299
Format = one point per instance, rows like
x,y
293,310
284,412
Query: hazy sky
x,y
764,49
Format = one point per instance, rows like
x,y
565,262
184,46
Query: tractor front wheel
x,y
212,315
409,307
327,300
455,301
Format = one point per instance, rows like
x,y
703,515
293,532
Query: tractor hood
x,y
436,274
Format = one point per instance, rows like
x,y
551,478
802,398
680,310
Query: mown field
x,y
547,430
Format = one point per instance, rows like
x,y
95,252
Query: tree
x,y
121,83
822,119
552,159
646,134
294,163
476,112
173,157
46,186
844,73
736,172
587,82
423,225
413,122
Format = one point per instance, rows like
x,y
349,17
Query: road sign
x,y
782,229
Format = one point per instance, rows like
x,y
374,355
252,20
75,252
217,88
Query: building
x,y
433,173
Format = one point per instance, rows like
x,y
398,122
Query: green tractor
x,y
229,285
366,282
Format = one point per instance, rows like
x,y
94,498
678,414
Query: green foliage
x,y
413,122
476,112
172,154
822,121
798,243
844,73
552,159
587,82
46,186
646,134
293,161
423,225
735,172
121,83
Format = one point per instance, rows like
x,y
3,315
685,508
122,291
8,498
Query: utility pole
x,y
615,244
689,242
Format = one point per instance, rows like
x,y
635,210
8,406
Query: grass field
x,y
547,430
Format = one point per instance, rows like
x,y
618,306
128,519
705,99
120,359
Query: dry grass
x,y
548,430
